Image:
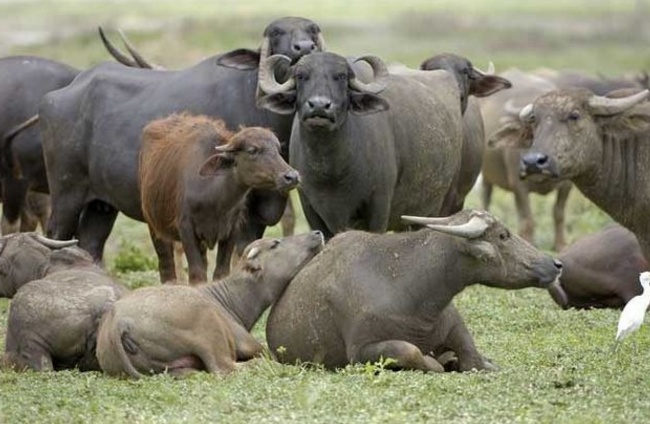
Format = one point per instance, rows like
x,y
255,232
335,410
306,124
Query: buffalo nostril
x,y
310,104
313,47
318,233
291,177
557,264
296,47
542,160
327,105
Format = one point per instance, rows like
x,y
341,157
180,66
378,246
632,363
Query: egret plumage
x,y
634,311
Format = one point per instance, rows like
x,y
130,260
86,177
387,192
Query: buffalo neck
x,y
239,294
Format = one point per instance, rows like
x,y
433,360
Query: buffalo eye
x,y
341,77
301,76
574,115
275,244
252,150
275,33
313,29
504,235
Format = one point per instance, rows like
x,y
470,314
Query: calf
x,y
205,207
181,329
60,295
371,296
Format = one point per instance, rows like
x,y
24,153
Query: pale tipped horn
x,y
526,114
266,75
511,109
474,228
224,148
140,60
380,81
600,105
115,52
427,220
320,42
265,49
54,244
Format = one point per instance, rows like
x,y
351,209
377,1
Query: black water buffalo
x,y
366,159
92,132
372,296
601,144
24,80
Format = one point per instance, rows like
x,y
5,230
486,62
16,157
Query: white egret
x,y
634,311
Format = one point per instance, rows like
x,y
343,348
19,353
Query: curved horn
x,y
510,109
54,244
266,75
427,220
473,228
224,148
115,52
141,61
320,42
265,49
526,114
600,105
381,76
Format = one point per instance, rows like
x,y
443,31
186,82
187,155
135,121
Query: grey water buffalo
x,y
92,131
601,144
472,82
501,166
601,270
365,159
205,207
59,295
23,82
371,296
597,84
179,329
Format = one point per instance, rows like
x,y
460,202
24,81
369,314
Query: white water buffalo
x,y
372,296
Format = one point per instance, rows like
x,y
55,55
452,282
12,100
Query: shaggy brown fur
x,y
167,146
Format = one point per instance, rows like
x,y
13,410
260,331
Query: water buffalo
x,y
597,84
365,159
92,128
23,82
60,295
601,270
472,82
601,144
179,329
194,177
372,296
501,166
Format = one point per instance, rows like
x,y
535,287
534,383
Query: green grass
x,y
555,366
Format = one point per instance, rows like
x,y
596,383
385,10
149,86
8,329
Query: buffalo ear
x,y
485,85
242,59
479,249
216,164
280,103
512,135
628,124
367,103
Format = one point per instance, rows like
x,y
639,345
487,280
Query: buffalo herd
x,y
206,156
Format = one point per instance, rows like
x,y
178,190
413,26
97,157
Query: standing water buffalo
x,y
372,296
601,144
60,295
601,270
24,80
501,166
191,193
364,159
92,132
179,329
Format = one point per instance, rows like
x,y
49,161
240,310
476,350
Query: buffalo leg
x,y
379,212
461,342
67,207
313,219
225,250
288,219
526,223
13,202
95,225
195,252
165,252
563,191
486,194
406,355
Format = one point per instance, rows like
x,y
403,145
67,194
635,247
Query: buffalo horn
x,y
601,105
266,77
141,61
265,49
320,42
380,72
510,109
526,114
426,220
115,52
474,228
54,244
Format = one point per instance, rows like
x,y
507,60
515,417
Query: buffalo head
x,y
322,89
471,80
567,128
290,36
501,259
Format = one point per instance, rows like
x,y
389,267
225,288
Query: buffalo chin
x,y
320,123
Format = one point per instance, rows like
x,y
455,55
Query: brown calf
x,y
193,194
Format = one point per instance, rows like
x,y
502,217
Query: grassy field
x,y
555,366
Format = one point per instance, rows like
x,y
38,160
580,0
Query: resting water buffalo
x,y
370,296
501,166
602,270
180,329
23,82
476,83
92,131
601,144
61,295
362,164
194,178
